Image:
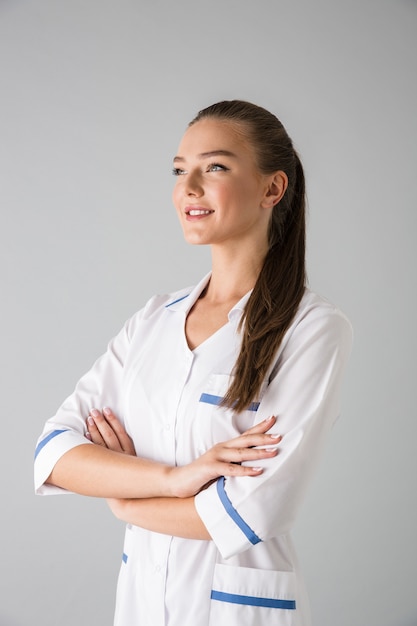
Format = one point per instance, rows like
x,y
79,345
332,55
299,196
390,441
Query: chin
x,y
196,240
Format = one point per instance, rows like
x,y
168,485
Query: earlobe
x,y
277,187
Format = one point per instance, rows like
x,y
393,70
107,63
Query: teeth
x,y
198,212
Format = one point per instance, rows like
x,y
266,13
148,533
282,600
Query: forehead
x,y
209,135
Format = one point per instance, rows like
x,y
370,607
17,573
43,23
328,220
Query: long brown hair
x,y
281,281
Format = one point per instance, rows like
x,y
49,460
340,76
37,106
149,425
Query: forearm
x,y
169,516
110,468
93,470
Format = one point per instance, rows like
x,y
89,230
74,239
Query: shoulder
x,y
320,334
315,305
316,316
160,302
156,306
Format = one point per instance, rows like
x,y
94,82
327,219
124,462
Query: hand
x,y
225,458
104,429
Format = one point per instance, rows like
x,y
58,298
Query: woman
x,y
208,536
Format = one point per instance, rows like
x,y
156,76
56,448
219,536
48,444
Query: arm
x,y
169,516
173,515
110,470
96,470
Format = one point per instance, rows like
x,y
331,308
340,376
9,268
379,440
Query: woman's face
x,y
220,195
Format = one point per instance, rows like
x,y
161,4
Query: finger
x,y
252,440
232,469
93,433
263,426
125,440
239,455
104,430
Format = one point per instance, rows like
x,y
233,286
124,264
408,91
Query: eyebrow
x,y
205,155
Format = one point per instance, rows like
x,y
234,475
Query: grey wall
x,y
94,98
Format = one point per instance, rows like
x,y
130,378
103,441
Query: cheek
x,y
225,194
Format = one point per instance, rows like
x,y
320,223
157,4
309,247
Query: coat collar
x,y
184,302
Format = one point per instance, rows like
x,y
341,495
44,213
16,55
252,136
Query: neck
x,y
234,273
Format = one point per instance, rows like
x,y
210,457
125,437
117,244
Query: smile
x,y
193,212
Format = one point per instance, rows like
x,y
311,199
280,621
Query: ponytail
x,y
273,302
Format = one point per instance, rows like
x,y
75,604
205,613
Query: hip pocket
x,y
252,597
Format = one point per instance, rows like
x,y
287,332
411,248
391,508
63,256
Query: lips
x,y
193,211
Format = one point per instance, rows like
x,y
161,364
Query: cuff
x,y
227,528
48,451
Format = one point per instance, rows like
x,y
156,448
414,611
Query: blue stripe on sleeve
x,y
51,435
208,398
239,521
252,600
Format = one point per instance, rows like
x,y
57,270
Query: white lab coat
x,y
167,397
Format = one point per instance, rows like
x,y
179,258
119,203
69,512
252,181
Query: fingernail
x,y
270,449
94,413
87,435
275,436
90,421
257,469
106,410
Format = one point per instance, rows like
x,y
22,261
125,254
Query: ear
x,y
276,187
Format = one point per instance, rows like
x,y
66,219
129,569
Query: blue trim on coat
x,y
124,557
208,398
239,521
175,301
252,600
51,435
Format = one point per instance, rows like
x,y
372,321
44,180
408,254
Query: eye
x,y
176,171
217,167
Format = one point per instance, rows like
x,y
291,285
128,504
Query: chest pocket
x,y
218,423
243,596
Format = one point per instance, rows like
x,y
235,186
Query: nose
x,y
193,186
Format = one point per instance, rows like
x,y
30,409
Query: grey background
x,y
94,98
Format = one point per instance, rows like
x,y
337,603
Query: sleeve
x,y
304,395
97,388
